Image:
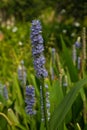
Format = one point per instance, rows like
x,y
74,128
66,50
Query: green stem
x,y
44,103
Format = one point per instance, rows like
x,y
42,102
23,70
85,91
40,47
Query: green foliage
x,y
56,94
68,104
69,63
61,111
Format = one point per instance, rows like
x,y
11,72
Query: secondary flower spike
x,y
30,100
37,49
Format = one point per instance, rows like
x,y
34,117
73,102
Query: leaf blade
x,y
61,110
69,63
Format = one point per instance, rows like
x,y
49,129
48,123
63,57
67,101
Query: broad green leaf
x,y
17,91
65,128
69,62
68,117
21,127
42,126
83,95
62,109
2,99
22,113
12,117
77,107
3,123
62,126
33,124
56,94
85,128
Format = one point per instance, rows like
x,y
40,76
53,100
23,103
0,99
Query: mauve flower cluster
x,y
74,54
42,105
47,102
5,92
79,63
22,73
30,100
1,89
77,52
78,43
47,94
37,49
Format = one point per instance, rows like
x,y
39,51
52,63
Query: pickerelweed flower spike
x,y
79,63
47,102
22,73
78,43
30,100
84,42
74,55
5,92
1,89
39,61
37,49
42,105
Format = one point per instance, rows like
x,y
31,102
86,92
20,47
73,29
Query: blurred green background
x,y
57,17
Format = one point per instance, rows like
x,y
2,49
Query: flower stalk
x,y
22,74
39,61
44,104
84,42
30,100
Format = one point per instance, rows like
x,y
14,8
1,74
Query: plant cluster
x,y
34,96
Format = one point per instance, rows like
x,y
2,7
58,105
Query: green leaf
x,y
62,109
21,127
16,93
56,94
85,128
12,117
42,126
77,107
69,62
83,95
68,117
3,123
1,98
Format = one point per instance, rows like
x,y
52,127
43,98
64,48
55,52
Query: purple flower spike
x,y
5,92
30,100
77,44
22,73
37,49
